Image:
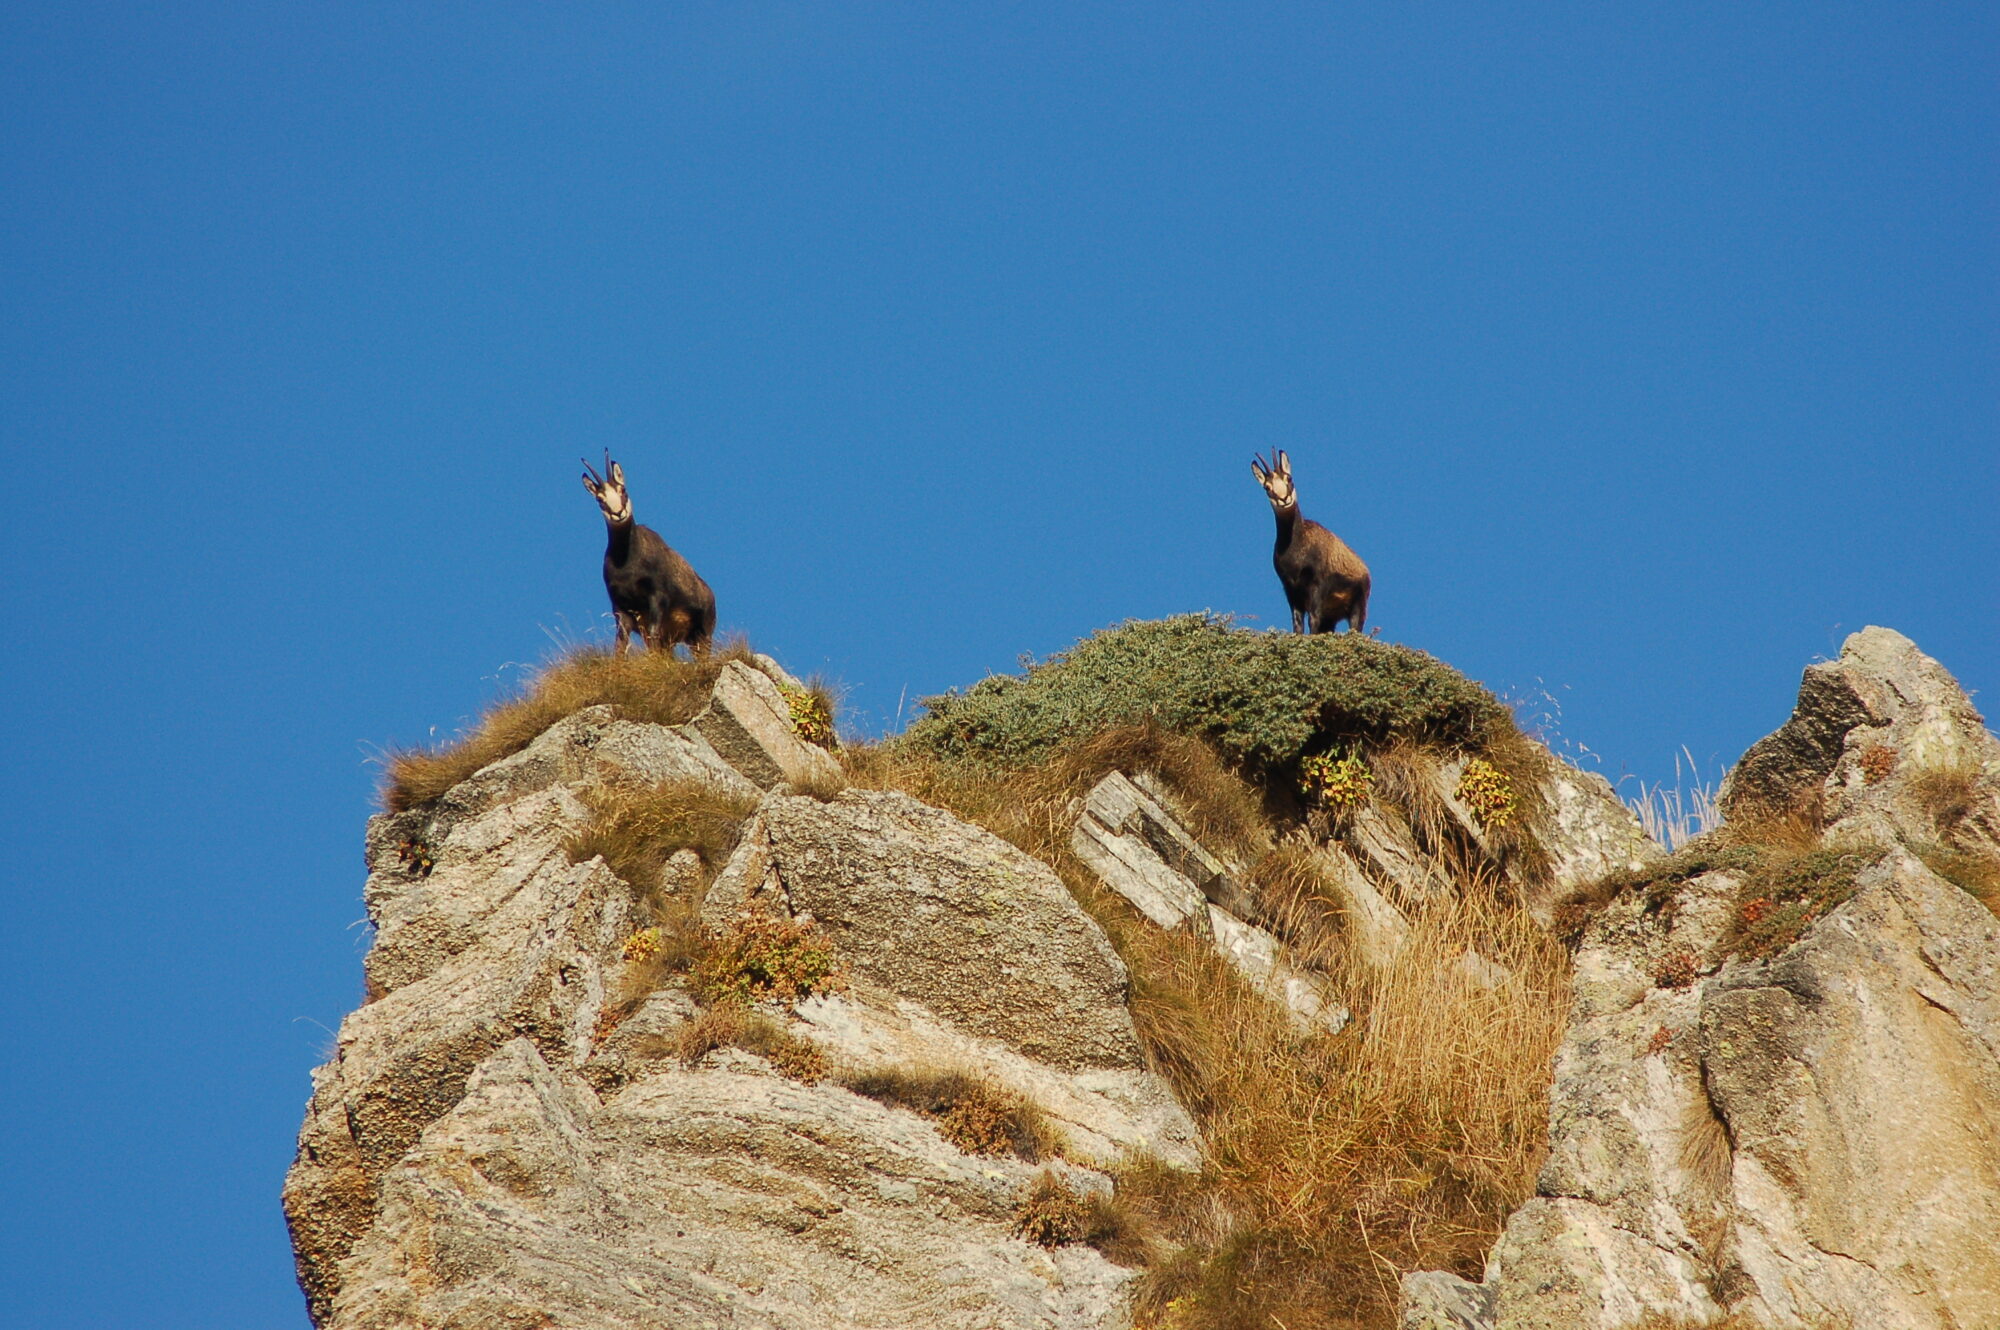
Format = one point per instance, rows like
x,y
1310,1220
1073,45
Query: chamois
x,y
1324,580
654,591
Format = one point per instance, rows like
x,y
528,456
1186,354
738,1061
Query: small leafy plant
x,y
812,715
764,956
644,945
1877,761
1487,791
1052,1213
1339,781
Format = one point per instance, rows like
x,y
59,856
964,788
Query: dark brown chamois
x,y
1324,580
654,591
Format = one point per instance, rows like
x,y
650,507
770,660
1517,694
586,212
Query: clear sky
x,y
1642,351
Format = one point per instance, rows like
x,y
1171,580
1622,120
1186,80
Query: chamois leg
x,y
624,630
675,626
1360,614
1299,621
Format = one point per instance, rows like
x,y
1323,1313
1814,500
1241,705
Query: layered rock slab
x,y
942,914
721,1196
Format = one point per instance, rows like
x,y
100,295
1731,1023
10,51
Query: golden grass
x,y
1731,1321
1947,794
643,685
1334,1162
731,1025
1975,872
638,827
1051,1213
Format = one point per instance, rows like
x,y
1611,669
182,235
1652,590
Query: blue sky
x,y
1643,352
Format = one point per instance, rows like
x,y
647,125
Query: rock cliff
x,y
1779,1098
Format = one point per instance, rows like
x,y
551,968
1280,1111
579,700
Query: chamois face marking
x,y
609,490
1276,478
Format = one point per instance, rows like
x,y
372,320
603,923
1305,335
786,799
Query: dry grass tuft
x,y
1335,1162
1730,1321
1975,872
637,828
1947,794
971,1112
731,1025
643,685
1706,1155
1676,814
823,786
1295,901
1051,1213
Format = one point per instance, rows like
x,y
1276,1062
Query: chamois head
x,y
609,490
1276,478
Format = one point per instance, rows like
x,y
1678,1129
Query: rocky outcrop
x,y
748,724
1810,1136
487,1147
1880,739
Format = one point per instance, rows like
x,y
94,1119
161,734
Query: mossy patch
x,y
1781,889
1786,894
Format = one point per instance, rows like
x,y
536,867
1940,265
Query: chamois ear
x,y
1257,468
590,480
1284,465
617,474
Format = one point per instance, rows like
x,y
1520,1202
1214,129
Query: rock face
x,y
1141,851
1809,1139
485,1150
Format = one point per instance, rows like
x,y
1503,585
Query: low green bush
x,y
1263,699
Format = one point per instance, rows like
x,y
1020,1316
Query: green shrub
x,y
1264,699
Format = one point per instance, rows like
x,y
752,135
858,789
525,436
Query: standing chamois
x,y
1324,580
653,590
